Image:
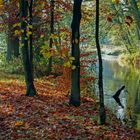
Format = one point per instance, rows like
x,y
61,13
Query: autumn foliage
x,y
48,115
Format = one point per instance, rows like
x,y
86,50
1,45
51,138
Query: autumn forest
x,y
69,69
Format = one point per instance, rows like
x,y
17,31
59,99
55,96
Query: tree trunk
x,y
51,32
30,89
12,45
59,37
75,76
31,36
15,46
9,48
102,112
12,41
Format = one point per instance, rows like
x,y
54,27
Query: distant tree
x,y
12,45
75,75
102,112
27,63
11,19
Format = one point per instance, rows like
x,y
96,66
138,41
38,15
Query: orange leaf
x,y
19,123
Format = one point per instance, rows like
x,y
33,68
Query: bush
x,y
13,67
131,59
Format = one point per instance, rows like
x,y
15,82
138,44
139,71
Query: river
x,y
114,76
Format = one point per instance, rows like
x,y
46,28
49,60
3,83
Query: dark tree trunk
x,y
30,89
9,48
75,75
102,112
31,36
15,42
51,32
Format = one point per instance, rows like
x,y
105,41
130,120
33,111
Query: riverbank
x,y
111,53
130,59
110,57
49,116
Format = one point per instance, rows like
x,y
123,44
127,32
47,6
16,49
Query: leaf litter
x,y
48,116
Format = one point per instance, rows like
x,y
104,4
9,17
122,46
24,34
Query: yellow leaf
x,y
53,36
19,123
30,26
67,64
41,36
47,55
29,33
76,41
72,58
17,32
16,25
21,45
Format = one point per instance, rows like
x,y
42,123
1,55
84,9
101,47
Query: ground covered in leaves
x,y
49,117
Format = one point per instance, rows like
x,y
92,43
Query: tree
x,y
30,30
10,8
51,32
100,81
30,89
12,44
75,75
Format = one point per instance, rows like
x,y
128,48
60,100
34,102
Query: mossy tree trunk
x,y
102,112
30,89
75,75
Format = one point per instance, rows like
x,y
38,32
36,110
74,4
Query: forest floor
x,y
48,116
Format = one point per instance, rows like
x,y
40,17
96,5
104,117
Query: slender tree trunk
x,y
59,37
15,46
75,76
51,32
30,89
12,44
9,48
12,41
12,47
102,112
31,36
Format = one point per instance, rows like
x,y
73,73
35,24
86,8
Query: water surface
x,y
115,75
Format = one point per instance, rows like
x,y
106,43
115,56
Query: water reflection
x,y
116,75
